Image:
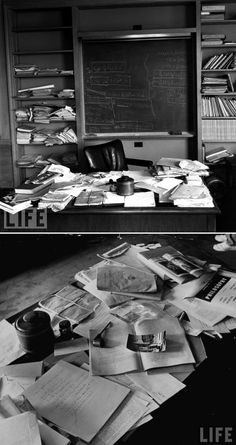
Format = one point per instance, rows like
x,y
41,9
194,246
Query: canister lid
x,y
33,322
125,179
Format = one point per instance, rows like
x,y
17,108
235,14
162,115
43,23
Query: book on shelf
x,y
213,36
36,183
207,15
219,61
167,262
212,42
217,154
213,8
219,129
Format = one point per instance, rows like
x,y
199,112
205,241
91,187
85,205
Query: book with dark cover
x,y
9,204
36,183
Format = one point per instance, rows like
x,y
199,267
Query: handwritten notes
x,y
79,404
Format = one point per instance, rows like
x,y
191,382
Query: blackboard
x,y
138,86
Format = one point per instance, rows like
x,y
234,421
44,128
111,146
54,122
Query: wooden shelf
x,y
38,76
43,98
217,22
48,146
42,29
55,51
230,94
44,123
220,71
204,141
163,33
216,118
229,45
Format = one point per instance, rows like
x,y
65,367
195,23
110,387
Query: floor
x,y
34,266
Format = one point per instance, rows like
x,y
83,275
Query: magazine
x,y
220,292
169,263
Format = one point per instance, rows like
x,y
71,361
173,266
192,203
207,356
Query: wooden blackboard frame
x,y
101,38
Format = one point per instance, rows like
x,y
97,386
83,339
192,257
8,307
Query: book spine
x,y
224,129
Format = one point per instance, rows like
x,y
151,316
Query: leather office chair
x,y
111,156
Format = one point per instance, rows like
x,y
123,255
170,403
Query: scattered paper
x,y
10,348
70,398
21,429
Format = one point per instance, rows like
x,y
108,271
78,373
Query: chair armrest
x,y
139,162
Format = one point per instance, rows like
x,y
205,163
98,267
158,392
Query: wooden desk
x,y
125,220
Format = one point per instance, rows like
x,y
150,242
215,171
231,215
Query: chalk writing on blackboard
x,y
138,86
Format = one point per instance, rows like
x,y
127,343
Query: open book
x,y
167,262
115,357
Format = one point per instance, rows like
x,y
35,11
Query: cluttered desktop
x,y
138,346
171,186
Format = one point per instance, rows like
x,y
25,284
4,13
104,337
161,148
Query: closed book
x,y
213,36
215,8
214,16
8,204
212,42
169,263
36,183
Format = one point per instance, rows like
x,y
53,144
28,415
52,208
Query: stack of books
x,y
213,12
37,182
41,114
11,203
23,115
212,39
24,134
67,93
217,154
25,70
44,90
220,62
214,85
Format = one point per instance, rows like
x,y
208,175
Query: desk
x,y
204,403
125,220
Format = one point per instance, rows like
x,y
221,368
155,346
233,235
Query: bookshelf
x,y
41,38
218,44
52,35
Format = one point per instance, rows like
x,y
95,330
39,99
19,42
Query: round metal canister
x,y
125,186
35,332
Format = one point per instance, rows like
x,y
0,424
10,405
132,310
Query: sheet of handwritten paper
x,y
78,403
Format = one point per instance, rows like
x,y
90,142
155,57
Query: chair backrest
x,y
106,157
